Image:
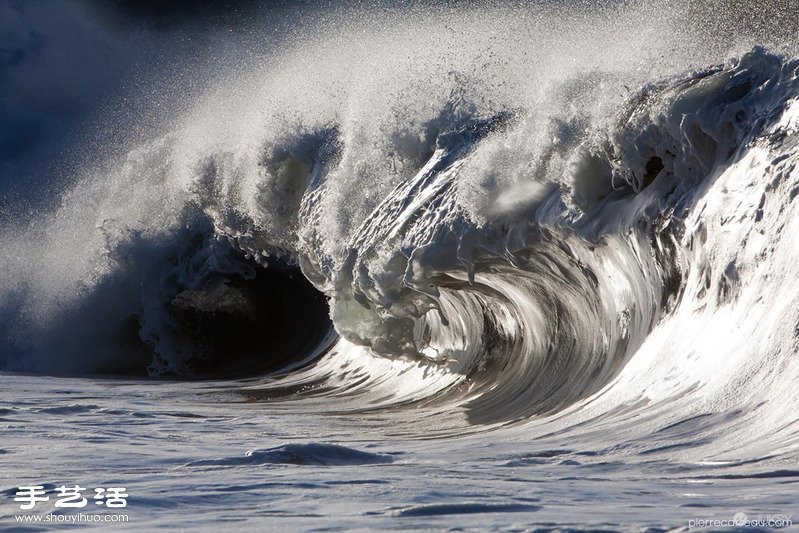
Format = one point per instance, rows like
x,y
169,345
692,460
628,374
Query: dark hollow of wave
x,y
238,327
233,327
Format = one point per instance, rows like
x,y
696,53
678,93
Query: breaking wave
x,y
472,232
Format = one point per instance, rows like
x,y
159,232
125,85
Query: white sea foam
x,y
585,229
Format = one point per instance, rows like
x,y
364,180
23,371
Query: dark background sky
x,y
72,71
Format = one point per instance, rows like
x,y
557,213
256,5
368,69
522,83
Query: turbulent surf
x,y
566,234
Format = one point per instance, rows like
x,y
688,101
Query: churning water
x,y
485,267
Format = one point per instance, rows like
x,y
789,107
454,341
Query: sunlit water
x,y
506,268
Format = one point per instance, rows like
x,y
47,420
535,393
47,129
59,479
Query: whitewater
x,y
490,267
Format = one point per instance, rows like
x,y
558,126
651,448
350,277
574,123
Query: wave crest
x,y
511,262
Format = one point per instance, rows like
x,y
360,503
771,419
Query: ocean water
x,y
451,267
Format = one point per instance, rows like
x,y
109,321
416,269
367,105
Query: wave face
x,y
490,219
